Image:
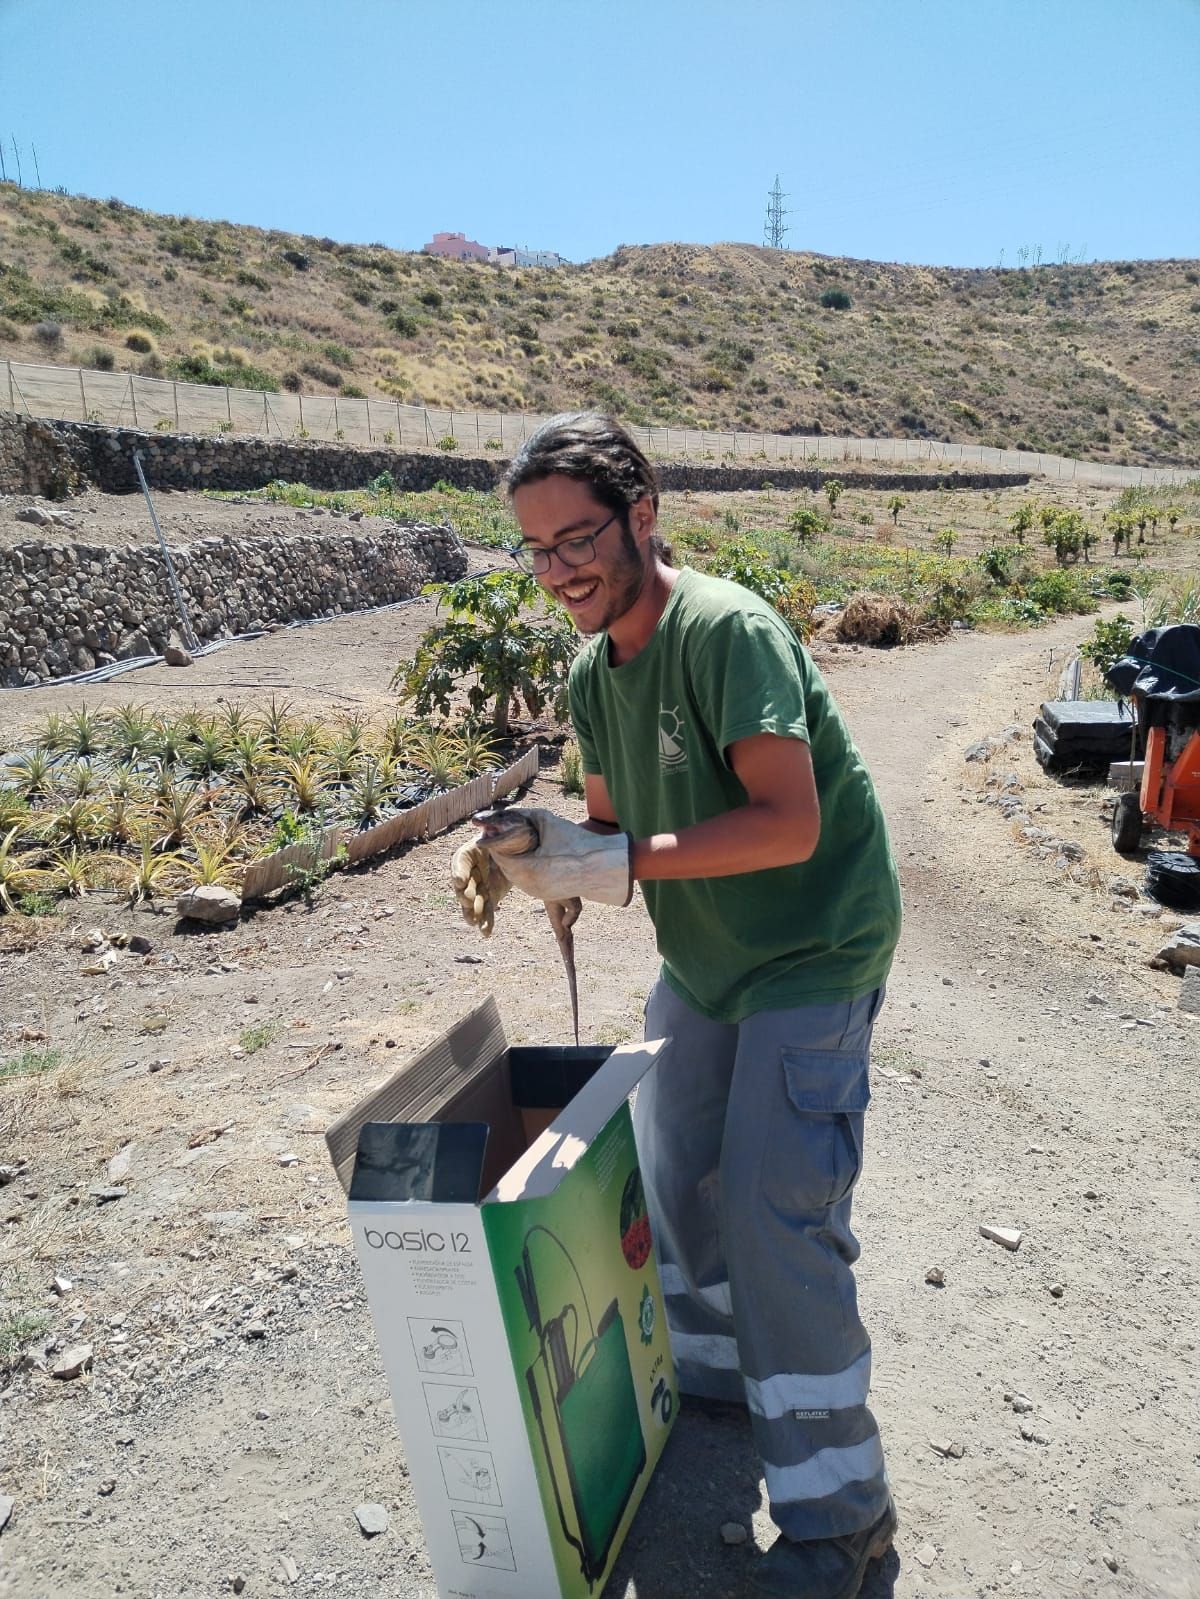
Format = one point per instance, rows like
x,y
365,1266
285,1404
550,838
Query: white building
x,y
510,256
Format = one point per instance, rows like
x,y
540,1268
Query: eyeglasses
x,y
534,558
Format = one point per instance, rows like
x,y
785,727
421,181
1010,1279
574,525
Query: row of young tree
x,y
1072,537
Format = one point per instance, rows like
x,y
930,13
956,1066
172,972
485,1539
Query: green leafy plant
x,y
252,1039
746,562
493,648
945,539
895,505
833,492
447,442
808,524
1021,521
1109,641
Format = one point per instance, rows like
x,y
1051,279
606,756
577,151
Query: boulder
x,y
208,904
175,652
1183,946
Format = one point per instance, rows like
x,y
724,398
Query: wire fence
x,y
123,399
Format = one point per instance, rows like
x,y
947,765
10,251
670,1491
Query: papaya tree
x,y
500,645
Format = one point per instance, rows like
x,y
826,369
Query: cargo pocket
x,y
819,1156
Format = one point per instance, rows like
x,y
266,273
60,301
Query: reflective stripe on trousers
x,y
750,1140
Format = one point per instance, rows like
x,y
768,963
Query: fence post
x,y
228,405
266,414
12,404
336,426
399,426
300,401
175,398
370,435
428,434
82,398
477,444
133,400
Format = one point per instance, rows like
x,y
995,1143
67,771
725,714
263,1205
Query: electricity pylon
x,y
776,228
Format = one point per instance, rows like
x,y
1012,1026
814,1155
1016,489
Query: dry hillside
x,y
1094,360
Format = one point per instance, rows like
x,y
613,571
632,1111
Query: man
x,y
719,775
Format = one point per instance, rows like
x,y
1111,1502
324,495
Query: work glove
x,y
479,883
544,856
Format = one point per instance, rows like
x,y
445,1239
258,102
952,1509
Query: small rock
x,y
1109,1559
254,1330
107,1487
73,1362
927,1554
1090,1193
237,1583
288,1160
105,1196
373,1519
948,1448
468,960
935,1277
1031,1436
208,904
289,1569
7,1505
61,1286
118,1166
1056,1290
343,972
262,1415
1007,1237
176,653
1189,994
1021,1404
139,946
732,1532
389,1043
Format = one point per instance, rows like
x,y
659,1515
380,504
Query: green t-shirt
x,y
721,666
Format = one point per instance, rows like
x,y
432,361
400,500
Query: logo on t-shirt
x,y
672,756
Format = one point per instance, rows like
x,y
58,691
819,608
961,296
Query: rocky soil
x,y
171,1215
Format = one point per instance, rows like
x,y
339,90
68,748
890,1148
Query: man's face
x,y
556,511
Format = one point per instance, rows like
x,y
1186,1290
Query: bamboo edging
x,y
431,816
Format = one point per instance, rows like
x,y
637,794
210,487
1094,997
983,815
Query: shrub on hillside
x,y
140,343
835,300
49,334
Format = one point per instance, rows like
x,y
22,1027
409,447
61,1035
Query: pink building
x,y
456,247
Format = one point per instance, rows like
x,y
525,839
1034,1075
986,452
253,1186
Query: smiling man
x,y
719,774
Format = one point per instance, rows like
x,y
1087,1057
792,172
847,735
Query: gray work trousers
x,y
750,1138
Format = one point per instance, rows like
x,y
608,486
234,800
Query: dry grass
x,y
877,619
1055,358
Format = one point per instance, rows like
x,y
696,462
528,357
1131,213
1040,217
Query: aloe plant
x,y
71,871
257,791
80,823
207,751
33,774
53,735
81,779
436,754
275,721
368,792
169,744
215,863
175,813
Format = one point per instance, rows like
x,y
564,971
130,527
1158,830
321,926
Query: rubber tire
x,y
1173,878
1127,824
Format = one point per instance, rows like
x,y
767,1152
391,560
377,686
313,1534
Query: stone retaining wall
x,y
70,607
33,454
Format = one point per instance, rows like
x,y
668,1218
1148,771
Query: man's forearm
x,y
750,838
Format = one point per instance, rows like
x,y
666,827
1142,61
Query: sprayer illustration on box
x,y
502,1229
583,1385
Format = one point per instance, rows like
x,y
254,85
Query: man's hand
x,y
479,883
551,859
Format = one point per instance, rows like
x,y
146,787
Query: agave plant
x,y
80,824
120,819
477,748
71,871
257,791
152,870
215,863
297,742
169,744
236,720
436,753
395,734
131,731
20,871
342,754
83,734
126,782
249,751
207,750
368,792
275,721
305,780
54,733
33,773
80,779
175,813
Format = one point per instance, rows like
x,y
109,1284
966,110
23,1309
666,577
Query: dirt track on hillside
x,y
1001,1095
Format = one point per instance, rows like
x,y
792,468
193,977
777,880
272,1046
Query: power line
x,y
776,228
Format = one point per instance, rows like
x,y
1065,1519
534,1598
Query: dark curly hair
x,y
593,448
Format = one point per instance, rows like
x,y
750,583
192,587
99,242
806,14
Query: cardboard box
x,y
497,1212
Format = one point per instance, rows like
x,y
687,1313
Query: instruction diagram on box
x,y
440,1346
470,1474
484,1541
455,1412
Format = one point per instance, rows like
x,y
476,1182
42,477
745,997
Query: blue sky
x,y
942,131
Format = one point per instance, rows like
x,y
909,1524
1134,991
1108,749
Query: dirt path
x,y
231,1454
